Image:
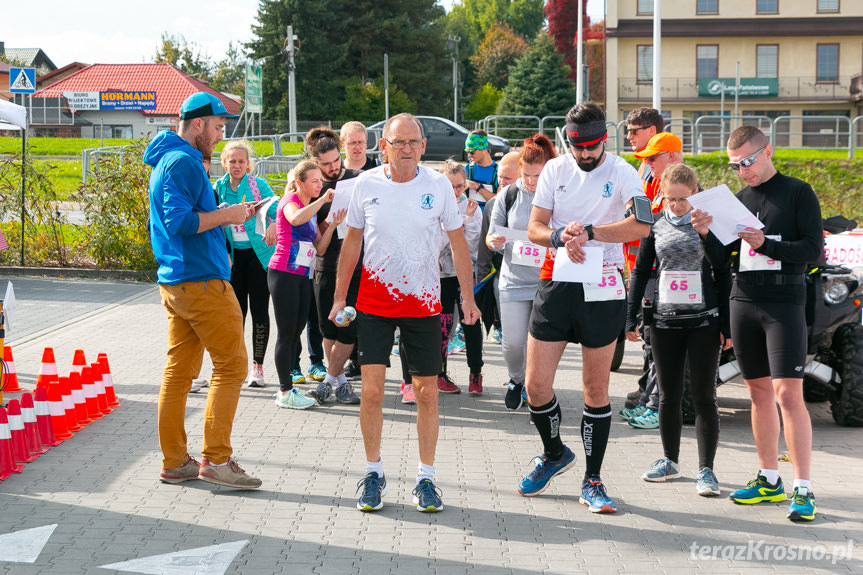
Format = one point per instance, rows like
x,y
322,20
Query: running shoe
x,y
594,496
317,372
647,420
706,483
513,399
454,346
632,399
322,393
198,384
627,414
297,377
802,507
661,470
374,488
293,399
446,385
758,491
345,394
537,480
352,371
256,376
475,385
427,497
497,335
408,395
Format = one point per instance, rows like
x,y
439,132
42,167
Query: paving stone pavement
x,y
101,487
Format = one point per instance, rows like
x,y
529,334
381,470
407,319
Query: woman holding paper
x,y
297,238
250,251
519,274
688,319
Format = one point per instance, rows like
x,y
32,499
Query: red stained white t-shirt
x,y
596,197
402,225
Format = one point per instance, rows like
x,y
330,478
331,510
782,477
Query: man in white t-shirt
x,y
582,200
399,211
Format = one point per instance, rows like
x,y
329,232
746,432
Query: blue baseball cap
x,y
202,104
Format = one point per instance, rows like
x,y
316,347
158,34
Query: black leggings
x,y
249,280
671,347
292,296
449,297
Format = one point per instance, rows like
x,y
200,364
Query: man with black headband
x,y
582,199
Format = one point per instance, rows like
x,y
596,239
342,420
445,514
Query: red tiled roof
x,y
65,68
170,84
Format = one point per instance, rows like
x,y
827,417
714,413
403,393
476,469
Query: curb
x,y
127,275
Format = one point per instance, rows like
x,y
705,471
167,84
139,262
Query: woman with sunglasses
x,y
688,317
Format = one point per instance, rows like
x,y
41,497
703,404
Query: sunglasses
x,y
650,159
633,131
745,162
587,148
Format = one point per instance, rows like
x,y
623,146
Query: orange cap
x,y
661,142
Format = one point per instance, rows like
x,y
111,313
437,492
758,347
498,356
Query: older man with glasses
x,y
768,321
399,211
582,200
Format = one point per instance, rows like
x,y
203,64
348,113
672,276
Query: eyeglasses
x,y
357,143
745,162
651,159
587,148
633,131
399,144
675,201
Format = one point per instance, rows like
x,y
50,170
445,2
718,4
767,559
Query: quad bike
x,y
834,368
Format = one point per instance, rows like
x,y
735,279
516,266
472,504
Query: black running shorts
x,y
419,335
769,339
561,314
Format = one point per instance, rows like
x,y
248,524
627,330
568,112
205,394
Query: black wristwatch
x,y
589,229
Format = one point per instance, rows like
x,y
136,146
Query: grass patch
x,y
65,175
58,146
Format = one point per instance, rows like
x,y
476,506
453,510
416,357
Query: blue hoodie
x,y
179,189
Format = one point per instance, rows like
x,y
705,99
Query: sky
x,y
112,32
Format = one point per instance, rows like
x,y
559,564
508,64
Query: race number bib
x,y
305,254
610,288
752,261
680,287
527,254
239,233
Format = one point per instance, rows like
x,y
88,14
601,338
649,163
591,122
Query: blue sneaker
x,y
661,470
706,483
758,491
594,496
802,506
537,480
317,372
427,497
297,377
374,487
628,414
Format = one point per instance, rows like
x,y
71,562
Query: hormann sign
x,y
123,100
749,87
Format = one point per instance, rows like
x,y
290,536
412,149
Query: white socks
x,y
425,472
803,484
772,475
376,466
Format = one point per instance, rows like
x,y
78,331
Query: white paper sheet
x,y
510,234
727,211
342,197
261,215
565,270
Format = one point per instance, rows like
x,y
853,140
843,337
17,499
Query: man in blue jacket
x,y
194,282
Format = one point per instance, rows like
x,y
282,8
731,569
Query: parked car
x,y
444,139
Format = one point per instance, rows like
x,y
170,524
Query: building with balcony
x,y
796,58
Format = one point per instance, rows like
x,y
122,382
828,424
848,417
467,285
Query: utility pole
x,y
292,88
454,40
657,55
579,55
386,86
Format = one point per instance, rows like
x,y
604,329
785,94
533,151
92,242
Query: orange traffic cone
x,y
68,405
108,379
31,429
48,369
78,361
10,378
90,396
43,418
101,399
7,459
58,415
78,399
16,430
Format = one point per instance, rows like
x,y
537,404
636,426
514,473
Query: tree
x,y
499,50
539,83
563,27
484,103
184,55
229,75
366,101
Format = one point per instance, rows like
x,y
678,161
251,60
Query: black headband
x,y
585,134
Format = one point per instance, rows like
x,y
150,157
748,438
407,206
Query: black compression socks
x,y
595,428
546,418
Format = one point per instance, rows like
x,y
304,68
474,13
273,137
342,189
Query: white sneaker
x,y
197,384
293,399
256,376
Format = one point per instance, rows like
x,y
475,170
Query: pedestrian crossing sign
x,y
22,80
